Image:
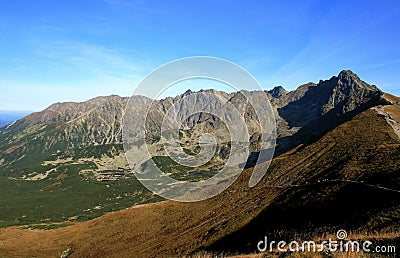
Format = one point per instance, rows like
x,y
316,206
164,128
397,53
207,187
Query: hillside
x,y
74,151
65,179
349,178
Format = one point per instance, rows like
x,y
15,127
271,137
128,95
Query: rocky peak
x,y
350,79
103,99
347,74
186,93
345,93
299,93
277,91
316,107
312,109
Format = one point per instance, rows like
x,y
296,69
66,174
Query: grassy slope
x,y
391,98
364,149
65,193
32,202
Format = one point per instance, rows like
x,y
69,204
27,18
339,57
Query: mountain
x,y
336,165
76,150
313,109
347,179
75,129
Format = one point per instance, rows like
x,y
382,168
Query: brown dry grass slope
x,y
391,98
353,160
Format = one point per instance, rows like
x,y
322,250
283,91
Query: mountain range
x,y
336,165
71,129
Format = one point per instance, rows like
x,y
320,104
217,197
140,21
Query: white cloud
x,y
20,95
75,71
91,59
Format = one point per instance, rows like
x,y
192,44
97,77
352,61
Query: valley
x,y
67,187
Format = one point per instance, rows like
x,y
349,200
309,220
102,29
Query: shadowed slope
x,y
303,190
352,183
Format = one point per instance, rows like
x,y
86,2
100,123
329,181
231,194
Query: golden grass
x,y
394,110
391,98
172,229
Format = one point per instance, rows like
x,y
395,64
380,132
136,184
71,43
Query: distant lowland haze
x,y
7,116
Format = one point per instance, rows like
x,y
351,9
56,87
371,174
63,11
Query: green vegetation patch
x,y
66,196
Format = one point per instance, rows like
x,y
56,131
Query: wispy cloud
x,y
74,71
27,95
97,60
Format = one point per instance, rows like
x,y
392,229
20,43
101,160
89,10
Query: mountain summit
x,y
68,129
277,91
76,149
344,178
336,166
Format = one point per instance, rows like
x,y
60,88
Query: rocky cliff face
x,y
313,109
65,129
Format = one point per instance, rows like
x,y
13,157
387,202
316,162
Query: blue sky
x,y
52,51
